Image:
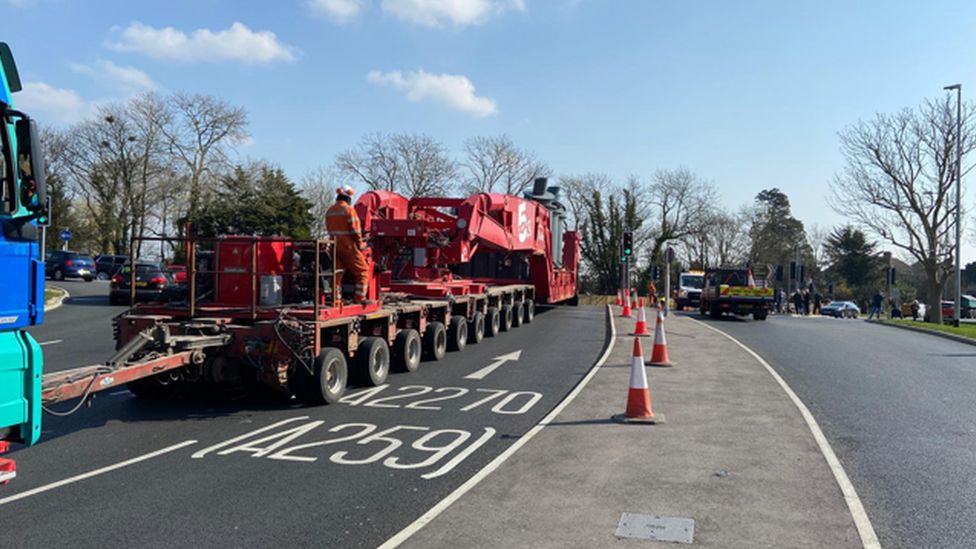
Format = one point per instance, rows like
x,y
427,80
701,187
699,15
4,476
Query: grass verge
x,y
965,330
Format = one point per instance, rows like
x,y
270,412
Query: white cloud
x,y
236,43
47,103
127,79
439,13
455,91
339,11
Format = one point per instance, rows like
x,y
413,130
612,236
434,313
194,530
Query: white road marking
x,y
52,342
442,505
869,540
96,472
499,360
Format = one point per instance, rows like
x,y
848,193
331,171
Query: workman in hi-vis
x,y
343,226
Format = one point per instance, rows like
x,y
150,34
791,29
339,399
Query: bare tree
x,y
680,202
410,164
578,189
319,187
495,164
200,131
899,184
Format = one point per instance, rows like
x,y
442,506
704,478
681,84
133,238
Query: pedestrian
x,y
876,302
915,310
797,302
816,302
343,225
652,293
806,302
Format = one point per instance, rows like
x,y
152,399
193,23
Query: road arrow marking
x,y
499,360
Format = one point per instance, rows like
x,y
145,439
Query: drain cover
x,y
637,526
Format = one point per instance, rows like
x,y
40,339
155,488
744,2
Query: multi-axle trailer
x,y
273,313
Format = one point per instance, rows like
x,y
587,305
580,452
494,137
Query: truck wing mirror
x,y
30,160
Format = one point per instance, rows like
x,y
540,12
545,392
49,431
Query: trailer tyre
x,y
492,322
457,336
327,382
759,315
435,341
715,311
476,328
506,318
529,311
518,314
372,361
406,351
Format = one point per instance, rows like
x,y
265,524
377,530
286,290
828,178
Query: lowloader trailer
x,y
273,313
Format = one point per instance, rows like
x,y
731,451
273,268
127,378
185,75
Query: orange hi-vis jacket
x,y
343,225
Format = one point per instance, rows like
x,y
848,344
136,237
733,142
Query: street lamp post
x,y
957,311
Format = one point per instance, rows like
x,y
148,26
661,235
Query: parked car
x,y
60,264
152,283
968,303
178,273
108,265
840,309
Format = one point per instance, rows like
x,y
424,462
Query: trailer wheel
x,y
518,314
715,311
476,328
759,316
457,336
406,351
529,311
492,322
328,381
372,361
506,318
435,341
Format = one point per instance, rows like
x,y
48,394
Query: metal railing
x,y
205,272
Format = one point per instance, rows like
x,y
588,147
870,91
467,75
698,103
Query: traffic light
x,y
655,273
628,245
779,273
830,289
792,270
891,275
803,273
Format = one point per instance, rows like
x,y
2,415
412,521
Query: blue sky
x,y
749,95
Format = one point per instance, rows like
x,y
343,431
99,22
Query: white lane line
x,y
869,540
52,342
442,505
96,472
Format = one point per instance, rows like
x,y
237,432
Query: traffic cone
x,y
620,300
659,355
640,329
626,312
638,395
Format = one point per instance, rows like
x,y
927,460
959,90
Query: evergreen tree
x,y
777,237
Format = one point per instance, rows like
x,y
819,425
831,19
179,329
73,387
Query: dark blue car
x,y
60,265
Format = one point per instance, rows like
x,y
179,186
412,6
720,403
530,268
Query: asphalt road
x,y
898,407
79,332
348,475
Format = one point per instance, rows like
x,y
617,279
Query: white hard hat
x,y
346,190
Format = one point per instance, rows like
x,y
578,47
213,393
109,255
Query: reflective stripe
x,y
336,214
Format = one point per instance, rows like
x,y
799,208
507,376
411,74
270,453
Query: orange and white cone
x,y
626,312
640,329
620,300
659,355
639,394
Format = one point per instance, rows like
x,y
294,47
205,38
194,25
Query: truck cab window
x,y
8,192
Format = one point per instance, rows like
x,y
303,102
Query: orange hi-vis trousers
x,y
350,258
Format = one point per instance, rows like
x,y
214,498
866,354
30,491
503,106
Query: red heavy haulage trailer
x,y
269,312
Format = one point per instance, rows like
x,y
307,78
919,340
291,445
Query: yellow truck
x,y
735,291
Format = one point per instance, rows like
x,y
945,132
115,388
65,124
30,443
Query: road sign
x,y
65,234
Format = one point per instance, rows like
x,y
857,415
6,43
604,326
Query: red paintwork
x,y
419,243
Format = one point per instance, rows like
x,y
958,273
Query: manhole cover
x,y
638,526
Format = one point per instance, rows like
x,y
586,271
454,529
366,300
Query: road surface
x,y
257,473
899,409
